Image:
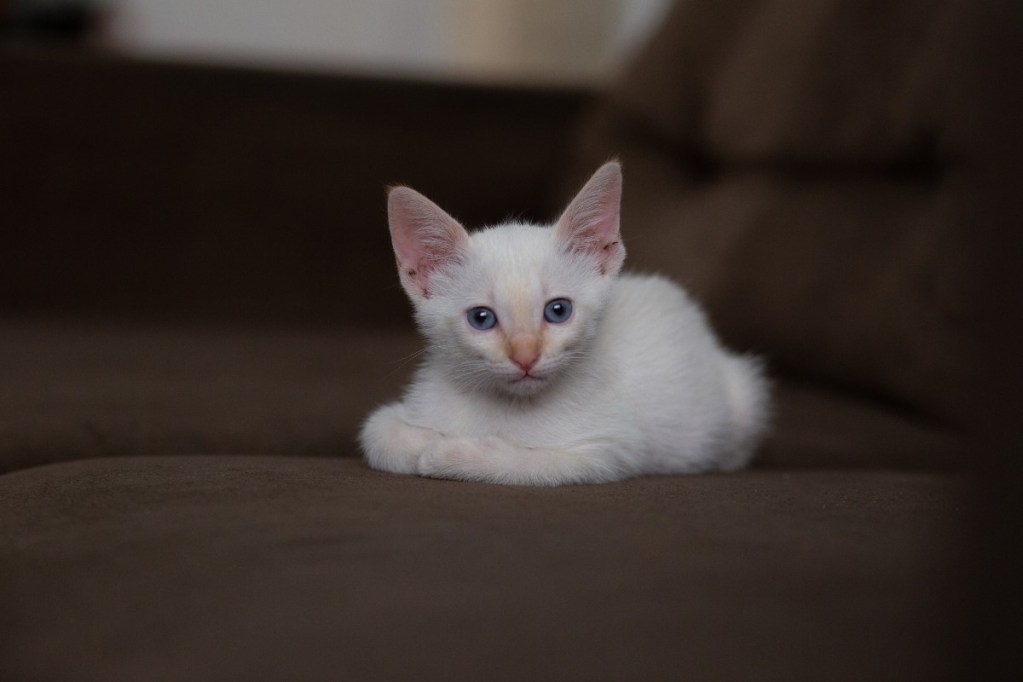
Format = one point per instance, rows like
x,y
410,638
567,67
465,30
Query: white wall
x,y
531,40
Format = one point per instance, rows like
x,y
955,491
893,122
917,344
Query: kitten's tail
x,y
748,395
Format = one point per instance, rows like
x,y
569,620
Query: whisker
x,y
405,360
398,364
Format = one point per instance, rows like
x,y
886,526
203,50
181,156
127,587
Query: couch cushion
x,y
73,390
816,427
86,389
199,568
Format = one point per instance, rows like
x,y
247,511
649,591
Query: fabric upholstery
x,y
256,568
74,390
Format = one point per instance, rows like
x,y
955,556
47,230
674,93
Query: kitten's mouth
x,y
526,378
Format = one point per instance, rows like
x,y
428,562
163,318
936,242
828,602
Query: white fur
x,y
633,383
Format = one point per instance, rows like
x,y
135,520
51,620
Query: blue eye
x,y
558,310
481,318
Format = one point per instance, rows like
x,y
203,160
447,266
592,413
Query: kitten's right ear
x,y
425,238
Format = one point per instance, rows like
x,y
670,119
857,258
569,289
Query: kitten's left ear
x,y
590,223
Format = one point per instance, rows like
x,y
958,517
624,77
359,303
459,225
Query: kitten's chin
x,y
525,386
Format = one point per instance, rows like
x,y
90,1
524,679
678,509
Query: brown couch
x,y
199,306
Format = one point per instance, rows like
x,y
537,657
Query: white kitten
x,y
545,367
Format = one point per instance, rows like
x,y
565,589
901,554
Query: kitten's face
x,y
512,308
516,313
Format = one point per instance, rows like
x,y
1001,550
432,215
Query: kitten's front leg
x,y
495,460
392,444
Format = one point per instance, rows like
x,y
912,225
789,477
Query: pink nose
x,y
524,351
525,365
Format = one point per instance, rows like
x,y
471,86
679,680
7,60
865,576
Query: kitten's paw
x,y
391,444
459,458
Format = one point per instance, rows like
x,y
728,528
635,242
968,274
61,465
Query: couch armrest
x,y
158,189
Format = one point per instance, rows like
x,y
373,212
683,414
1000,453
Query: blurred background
x,y
560,41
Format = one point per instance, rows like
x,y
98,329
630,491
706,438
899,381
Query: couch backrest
x,y
132,187
832,178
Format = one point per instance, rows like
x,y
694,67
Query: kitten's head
x,y
511,307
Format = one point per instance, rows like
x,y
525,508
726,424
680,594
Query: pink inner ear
x,y
590,224
424,237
